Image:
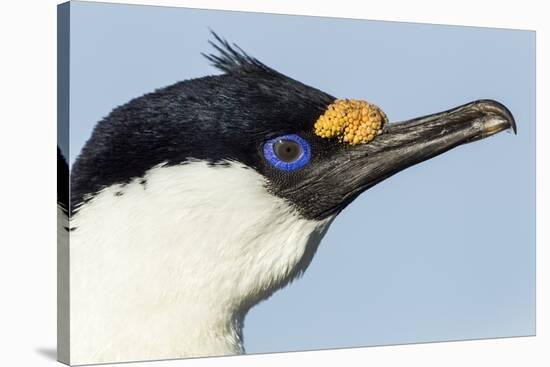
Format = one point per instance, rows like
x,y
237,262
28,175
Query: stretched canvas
x,y
233,182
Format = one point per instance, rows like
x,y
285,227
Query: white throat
x,y
167,265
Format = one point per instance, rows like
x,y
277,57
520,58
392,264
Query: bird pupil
x,y
287,150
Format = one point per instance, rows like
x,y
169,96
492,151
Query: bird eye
x,y
287,152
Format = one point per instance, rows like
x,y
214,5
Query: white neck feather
x,y
169,268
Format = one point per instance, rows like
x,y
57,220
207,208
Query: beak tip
x,y
514,128
497,108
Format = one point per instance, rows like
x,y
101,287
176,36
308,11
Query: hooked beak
x,y
335,181
407,143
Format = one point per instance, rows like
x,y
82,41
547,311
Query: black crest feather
x,y
233,60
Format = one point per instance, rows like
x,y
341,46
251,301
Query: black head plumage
x,y
215,118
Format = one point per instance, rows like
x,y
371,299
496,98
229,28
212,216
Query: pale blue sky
x,y
442,251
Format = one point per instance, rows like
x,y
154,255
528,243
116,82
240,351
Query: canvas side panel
x,y
63,263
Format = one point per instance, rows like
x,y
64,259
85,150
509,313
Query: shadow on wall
x,y
49,353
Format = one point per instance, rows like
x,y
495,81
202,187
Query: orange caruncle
x,y
351,121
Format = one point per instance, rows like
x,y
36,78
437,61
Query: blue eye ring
x,y
275,161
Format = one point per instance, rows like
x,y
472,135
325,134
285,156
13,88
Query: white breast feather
x,y
169,268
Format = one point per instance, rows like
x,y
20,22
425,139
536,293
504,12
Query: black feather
x,y
62,181
232,59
